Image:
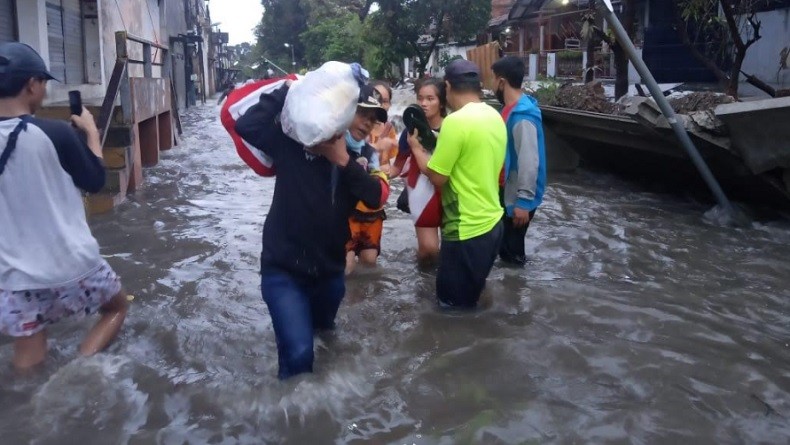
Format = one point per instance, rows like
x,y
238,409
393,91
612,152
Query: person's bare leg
x,y
368,257
351,262
427,245
29,351
104,331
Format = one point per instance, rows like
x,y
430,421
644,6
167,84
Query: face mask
x,y
353,144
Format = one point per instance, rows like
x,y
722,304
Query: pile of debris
x,y
698,101
592,97
588,97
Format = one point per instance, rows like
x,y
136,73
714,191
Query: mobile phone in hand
x,y
75,102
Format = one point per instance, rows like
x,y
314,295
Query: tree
x,y
248,60
445,59
416,27
339,38
282,22
347,30
333,8
593,34
719,33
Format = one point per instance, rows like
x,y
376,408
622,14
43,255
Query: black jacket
x,y
307,227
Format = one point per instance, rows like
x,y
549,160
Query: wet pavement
x,y
635,321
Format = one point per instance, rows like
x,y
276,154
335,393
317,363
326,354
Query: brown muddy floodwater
x,y
635,321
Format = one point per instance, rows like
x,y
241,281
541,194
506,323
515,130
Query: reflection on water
x,y
635,321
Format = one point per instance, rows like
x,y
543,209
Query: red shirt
x,y
506,111
505,114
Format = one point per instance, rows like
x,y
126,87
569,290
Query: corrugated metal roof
x,y
523,8
496,21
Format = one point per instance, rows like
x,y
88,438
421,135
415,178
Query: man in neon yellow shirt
x,y
466,164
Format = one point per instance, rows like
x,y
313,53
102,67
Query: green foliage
x,y
441,20
339,38
707,20
283,21
347,30
719,33
322,9
546,93
248,59
445,59
569,55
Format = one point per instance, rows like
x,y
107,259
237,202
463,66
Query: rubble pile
x,y
589,97
698,101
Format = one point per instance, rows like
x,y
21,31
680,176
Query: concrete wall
x,y
173,20
451,50
138,17
94,68
762,59
32,26
208,83
154,20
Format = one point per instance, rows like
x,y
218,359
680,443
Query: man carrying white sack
x,y
304,236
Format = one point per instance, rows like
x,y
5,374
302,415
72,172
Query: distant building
x,y
77,39
548,32
141,59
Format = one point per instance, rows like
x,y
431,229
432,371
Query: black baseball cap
x,y
369,97
18,59
462,70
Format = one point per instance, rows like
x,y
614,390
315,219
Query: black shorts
x,y
464,267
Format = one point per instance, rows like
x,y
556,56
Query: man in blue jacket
x,y
524,177
304,237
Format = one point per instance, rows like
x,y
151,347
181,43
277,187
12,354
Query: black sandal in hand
x,y
414,118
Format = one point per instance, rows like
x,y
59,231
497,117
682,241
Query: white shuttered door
x,y
64,31
7,21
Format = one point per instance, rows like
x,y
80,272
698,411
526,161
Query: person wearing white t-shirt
x,y
50,266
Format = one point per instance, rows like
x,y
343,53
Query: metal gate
x,y
7,21
64,31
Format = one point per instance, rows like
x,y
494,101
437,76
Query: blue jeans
x,y
299,306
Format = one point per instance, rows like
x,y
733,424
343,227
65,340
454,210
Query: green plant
x,y
445,59
546,93
569,55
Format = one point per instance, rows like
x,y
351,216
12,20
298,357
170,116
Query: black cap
x,y
460,70
369,97
19,59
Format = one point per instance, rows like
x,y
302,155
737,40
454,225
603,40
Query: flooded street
x,y
635,321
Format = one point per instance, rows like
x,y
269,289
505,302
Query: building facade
x,y
136,62
76,38
548,33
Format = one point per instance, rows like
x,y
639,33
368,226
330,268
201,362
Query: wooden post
x,y
120,45
542,38
122,53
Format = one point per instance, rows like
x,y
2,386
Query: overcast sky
x,y
238,18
